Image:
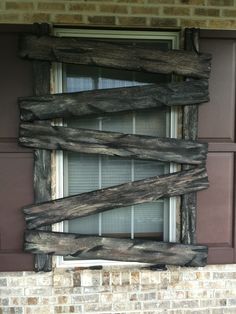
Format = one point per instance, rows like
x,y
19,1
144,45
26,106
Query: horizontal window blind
x,y
85,173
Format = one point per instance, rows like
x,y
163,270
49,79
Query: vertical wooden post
x,y
190,131
42,158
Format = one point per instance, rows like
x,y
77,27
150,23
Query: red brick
x,y
102,20
113,8
82,7
19,6
207,12
68,18
163,22
221,2
176,11
229,13
132,21
51,6
145,10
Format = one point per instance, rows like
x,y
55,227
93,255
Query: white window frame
x,y
57,88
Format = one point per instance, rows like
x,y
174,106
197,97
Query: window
x,y
78,173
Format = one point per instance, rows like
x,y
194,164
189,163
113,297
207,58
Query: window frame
x,y
59,164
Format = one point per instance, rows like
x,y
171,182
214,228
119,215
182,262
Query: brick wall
x,y
136,13
175,291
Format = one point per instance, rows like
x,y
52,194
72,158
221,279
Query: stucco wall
x,y
178,290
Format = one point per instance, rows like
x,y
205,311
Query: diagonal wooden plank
x,y
112,144
94,247
112,100
97,201
115,55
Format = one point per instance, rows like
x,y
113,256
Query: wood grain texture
x,y
42,159
136,192
94,247
102,101
190,131
112,144
115,55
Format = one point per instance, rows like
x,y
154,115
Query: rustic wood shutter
x,y
186,151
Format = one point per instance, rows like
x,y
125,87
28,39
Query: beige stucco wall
x,y
178,290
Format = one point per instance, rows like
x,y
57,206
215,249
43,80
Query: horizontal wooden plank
x,y
112,100
112,143
94,247
97,201
115,55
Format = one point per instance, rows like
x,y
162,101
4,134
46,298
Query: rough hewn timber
x,y
112,143
42,159
112,100
97,201
115,55
190,132
94,247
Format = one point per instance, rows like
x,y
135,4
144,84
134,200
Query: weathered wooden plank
x,y
97,201
190,132
42,159
112,100
115,55
94,247
112,143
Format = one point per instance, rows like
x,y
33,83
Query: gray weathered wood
x,y
115,55
190,132
94,247
112,100
42,159
112,144
97,201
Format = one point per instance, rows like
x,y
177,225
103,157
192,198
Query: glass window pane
x,y
91,172
83,172
114,171
118,123
152,122
144,169
148,220
85,225
117,222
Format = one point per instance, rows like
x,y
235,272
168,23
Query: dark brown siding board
x,y
14,81
112,144
15,174
102,101
222,93
113,55
220,208
220,255
131,250
136,192
15,261
16,179
217,206
11,146
16,163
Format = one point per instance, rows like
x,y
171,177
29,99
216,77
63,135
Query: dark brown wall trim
x,y
220,34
